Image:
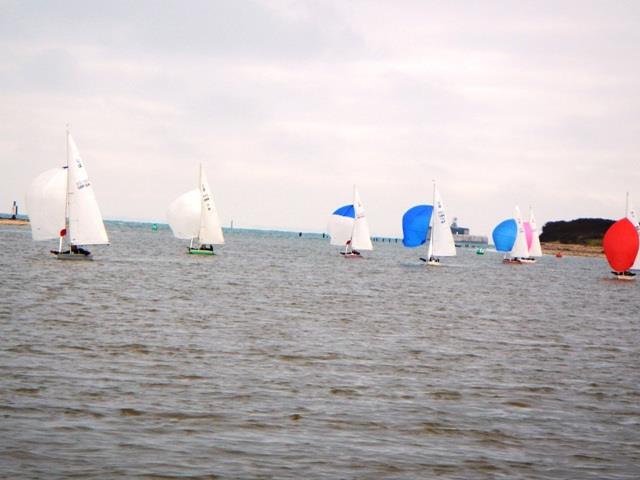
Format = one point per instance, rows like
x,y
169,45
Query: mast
x,y
431,224
202,212
519,249
66,199
530,248
349,246
626,207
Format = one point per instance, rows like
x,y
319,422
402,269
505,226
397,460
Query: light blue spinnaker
x,y
504,235
415,225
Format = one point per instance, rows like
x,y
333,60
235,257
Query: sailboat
x,y
62,204
632,215
621,245
509,237
193,216
533,239
424,221
348,228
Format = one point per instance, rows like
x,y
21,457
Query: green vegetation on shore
x,y
582,231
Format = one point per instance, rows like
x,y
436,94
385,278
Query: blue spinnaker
x,y
504,235
415,224
346,211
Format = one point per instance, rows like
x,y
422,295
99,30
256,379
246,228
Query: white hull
x,y
527,260
624,276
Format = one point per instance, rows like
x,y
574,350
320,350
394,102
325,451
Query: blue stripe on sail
x,y
346,211
504,235
415,224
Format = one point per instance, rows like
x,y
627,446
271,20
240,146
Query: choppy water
x,y
280,359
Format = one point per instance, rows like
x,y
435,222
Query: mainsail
x,y
210,231
85,221
442,244
519,249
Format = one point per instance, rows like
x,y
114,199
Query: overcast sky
x,y
289,103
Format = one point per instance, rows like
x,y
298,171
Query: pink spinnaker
x,y
528,233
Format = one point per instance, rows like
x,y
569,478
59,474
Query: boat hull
x,y
625,276
512,261
351,255
197,251
433,263
527,260
75,257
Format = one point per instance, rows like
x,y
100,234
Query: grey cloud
x,y
501,103
219,28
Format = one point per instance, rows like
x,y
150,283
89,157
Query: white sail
x,y
210,231
632,215
442,244
519,249
536,248
340,229
360,238
46,203
184,215
85,221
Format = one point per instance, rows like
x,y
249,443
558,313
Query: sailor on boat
x,y
79,250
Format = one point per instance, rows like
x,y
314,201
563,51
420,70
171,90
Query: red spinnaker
x,y
621,245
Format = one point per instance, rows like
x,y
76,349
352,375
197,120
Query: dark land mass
x,y
582,231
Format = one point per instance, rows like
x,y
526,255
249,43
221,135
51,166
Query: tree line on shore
x,y
583,231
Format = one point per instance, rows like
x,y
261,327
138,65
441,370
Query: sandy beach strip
x,y
572,249
8,221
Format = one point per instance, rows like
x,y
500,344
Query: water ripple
x,y
279,359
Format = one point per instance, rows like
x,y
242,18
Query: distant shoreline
x,y
8,221
572,249
548,248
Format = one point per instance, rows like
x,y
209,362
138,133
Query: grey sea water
x,y
279,359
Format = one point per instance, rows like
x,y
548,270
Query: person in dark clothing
x,y
79,250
